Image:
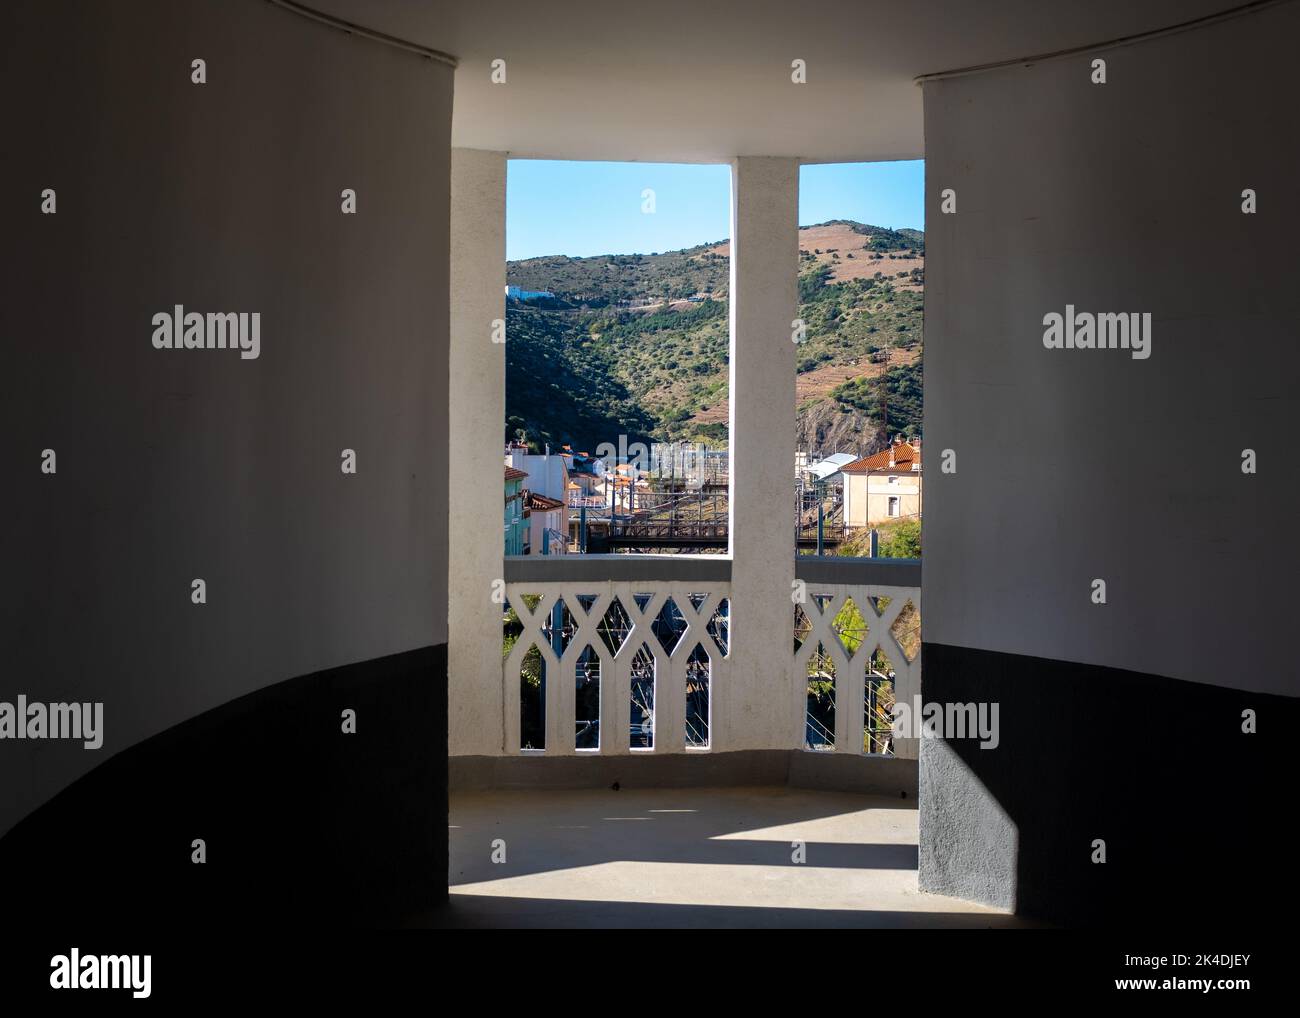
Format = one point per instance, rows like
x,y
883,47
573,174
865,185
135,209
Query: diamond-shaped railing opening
x,y
585,601
819,721
642,600
643,699
698,679
586,702
559,626
669,625
823,601
696,600
849,626
907,630
532,700
877,715
614,626
720,626
802,627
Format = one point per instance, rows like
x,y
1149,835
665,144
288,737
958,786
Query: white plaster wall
x,y
172,464
477,413
759,709
1082,464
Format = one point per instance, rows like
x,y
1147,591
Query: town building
x,y
883,486
514,510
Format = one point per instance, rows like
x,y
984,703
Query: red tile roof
x,y
543,503
515,475
904,455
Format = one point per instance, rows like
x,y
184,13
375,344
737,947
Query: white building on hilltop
x,y
517,293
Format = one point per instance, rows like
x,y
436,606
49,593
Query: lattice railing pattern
x,y
642,602
821,607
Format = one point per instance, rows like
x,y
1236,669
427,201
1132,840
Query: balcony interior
x,y
344,693
708,857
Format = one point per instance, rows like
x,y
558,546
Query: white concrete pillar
x,y
477,414
756,709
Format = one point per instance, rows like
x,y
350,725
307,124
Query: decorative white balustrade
x,y
625,654
857,637
642,656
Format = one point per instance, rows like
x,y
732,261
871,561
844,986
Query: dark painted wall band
x,y
302,822
1188,804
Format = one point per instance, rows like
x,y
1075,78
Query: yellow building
x,y
883,486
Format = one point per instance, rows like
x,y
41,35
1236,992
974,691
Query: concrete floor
x,y
715,857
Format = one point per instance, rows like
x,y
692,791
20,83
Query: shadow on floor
x,y
707,857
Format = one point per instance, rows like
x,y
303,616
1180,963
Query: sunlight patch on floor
x,y
787,886
887,826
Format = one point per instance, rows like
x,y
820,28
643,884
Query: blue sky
x,y
582,209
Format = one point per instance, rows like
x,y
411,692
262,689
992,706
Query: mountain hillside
x,y
637,345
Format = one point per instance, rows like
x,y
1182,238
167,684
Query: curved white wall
x,y
1081,464
172,465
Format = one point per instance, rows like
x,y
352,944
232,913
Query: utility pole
x,y
884,395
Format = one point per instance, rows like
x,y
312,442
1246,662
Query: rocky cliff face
x,y
826,427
